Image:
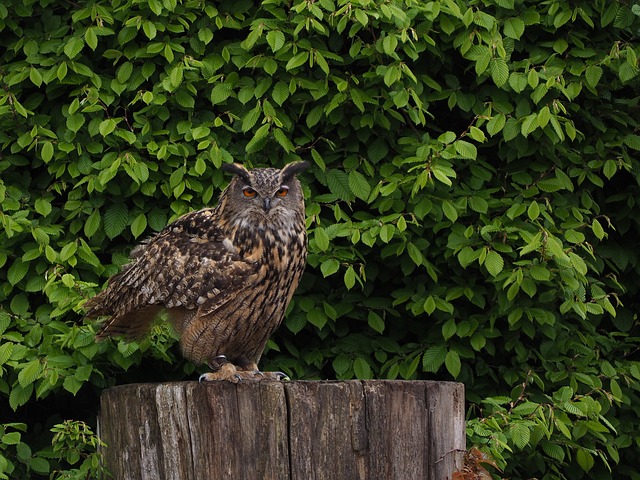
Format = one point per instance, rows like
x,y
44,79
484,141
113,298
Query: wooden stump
x,y
373,429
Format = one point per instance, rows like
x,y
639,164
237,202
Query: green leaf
x,y
632,141
107,126
513,28
73,47
529,124
43,207
543,117
478,341
321,238
349,278
139,225
39,465
275,39
494,263
540,273
362,17
593,74
362,369
585,459
72,385
205,35
35,76
359,185
115,219
297,60
329,267
496,124
149,30
314,116
17,271
478,204
609,169
466,149
75,122
283,140
296,322
499,71
29,373
124,72
220,93
597,229
338,183
467,255
553,450
520,435
429,305
5,351
386,232
449,329
389,44
375,321
20,395
11,438
91,38
533,211
433,358
68,251
280,93
517,81
47,151
449,210
92,224
415,254
251,118
550,185
453,364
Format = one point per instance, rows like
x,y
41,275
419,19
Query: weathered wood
x,y
374,429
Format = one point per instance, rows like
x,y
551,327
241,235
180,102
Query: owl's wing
x,y
188,263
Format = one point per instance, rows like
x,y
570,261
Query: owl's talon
x,y
206,377
274,376
229,372
217,362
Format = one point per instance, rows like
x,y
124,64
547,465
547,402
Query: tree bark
x,y
373,429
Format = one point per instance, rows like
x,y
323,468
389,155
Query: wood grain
x,y
374,429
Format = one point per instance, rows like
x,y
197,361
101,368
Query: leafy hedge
x,y
472,208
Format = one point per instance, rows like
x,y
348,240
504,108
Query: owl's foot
x,y
231,373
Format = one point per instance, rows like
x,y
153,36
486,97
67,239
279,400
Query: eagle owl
x,y
225,275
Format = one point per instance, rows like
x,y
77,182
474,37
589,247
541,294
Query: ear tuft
x,y
293,168
236,169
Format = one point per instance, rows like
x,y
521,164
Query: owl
x,y
225,275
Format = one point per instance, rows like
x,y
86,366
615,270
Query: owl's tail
x,y
133,324
124,318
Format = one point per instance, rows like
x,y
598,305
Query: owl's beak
x,y
266,205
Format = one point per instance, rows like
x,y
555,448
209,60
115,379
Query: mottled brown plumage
x,y
225,274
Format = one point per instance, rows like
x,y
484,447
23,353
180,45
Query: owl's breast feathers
x,y
203,263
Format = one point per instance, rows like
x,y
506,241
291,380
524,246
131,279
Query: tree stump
x,y
373,429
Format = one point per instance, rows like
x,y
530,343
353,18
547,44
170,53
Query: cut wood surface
x,y
302,430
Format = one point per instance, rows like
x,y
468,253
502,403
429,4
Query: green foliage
x,y
72,442
472,210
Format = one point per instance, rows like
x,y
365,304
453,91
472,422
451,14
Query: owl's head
x,y
263,193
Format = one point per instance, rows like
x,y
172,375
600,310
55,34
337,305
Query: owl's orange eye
x,y
282,192
249,192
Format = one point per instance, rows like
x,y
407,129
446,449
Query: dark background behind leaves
x,y
472,205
